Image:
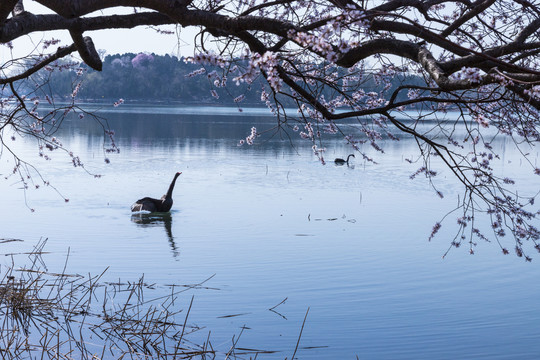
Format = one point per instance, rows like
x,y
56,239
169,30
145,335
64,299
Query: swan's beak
x,y
179,173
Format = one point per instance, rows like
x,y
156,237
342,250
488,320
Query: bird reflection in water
x,y
154,220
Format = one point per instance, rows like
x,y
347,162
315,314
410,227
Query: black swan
x,y
154,205
340,161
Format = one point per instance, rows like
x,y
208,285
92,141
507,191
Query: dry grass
x,y
67,316
46,315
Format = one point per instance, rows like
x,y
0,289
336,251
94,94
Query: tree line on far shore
x,y
165,79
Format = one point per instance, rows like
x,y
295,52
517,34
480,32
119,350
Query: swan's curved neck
x,y
171,187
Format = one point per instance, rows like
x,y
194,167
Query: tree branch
x,y
76,8
87,50
18,9
28,23
60,53
401,48
476,9
6,7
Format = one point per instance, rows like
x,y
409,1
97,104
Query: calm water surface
x,y
269,223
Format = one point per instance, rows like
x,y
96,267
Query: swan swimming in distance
x,y
340,161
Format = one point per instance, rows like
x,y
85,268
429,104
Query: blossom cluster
x,y
250,138
424,170
199,71
51,42
534,92
268,62
355,16
413,94
112,147
319,153
435,230
338,36
481,120
239,98
118,102
319,43
309,134
331,128
208,58
471,74
265,97
218,81
76,90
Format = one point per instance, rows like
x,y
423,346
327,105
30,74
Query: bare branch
x,y
60,53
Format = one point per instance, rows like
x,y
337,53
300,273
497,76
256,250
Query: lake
x,y
268,223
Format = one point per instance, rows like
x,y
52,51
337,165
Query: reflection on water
x,y
158,219
349,165
349,243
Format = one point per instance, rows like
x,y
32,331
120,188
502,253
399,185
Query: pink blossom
x,y
142,61
76,90
481,119
239,98
209,58
196,72
534,92
471,74
118,102
252,136
434,231
51,42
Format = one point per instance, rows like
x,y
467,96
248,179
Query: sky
x,y
113,41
